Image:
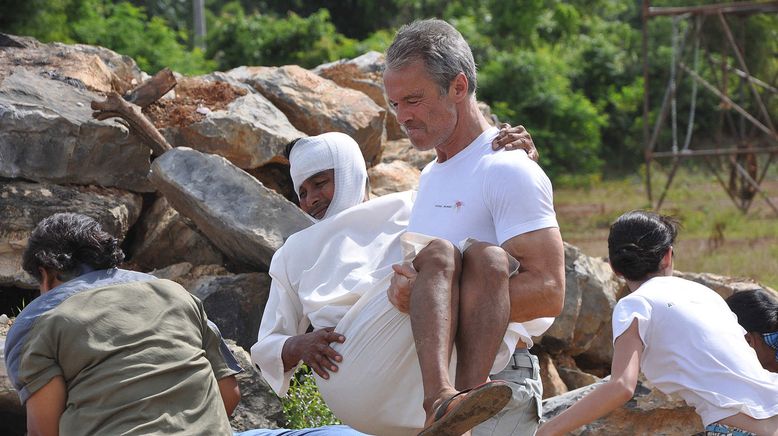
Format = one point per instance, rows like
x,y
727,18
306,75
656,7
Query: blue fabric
x,y
717,429
49,301
771,339
330,430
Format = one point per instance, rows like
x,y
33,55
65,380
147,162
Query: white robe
x,y
336,273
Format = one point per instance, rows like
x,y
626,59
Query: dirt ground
x,y
191,94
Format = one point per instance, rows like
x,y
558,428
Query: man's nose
x,y
314,197
403,114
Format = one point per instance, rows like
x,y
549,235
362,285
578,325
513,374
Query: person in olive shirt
x,y
109,351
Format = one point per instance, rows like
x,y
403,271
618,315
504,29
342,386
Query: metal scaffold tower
x,y
745,142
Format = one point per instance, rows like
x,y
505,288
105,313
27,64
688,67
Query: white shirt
x,y
695,347
489,196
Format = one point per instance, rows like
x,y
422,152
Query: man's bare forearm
x,y
536,295
538,290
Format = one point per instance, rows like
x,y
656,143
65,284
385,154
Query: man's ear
x,y
750,339
458,87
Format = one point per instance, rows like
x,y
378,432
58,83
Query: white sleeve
x,y
283,318
519,195
627,309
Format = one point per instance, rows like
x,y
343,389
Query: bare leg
x,y
433,309
484,310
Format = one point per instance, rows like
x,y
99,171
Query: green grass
x,y
715,236
304,407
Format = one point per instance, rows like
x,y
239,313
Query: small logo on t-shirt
x,y
456,206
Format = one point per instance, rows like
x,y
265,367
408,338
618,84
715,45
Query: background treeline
x,y
570,71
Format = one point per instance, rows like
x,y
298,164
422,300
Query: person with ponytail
x,y
757,313
681,335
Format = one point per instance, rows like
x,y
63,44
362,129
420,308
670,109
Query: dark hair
x,y
637,242
440,46
66,243
289,146
756,310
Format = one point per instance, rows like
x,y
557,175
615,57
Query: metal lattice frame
x,y
740,168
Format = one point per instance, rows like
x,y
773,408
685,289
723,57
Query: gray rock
x,y
187,275
163,237
316,105
235,303
249,132
245,220
364,73
24,204
84,66
47,133
402,149
590,295
396,176
649,412
259,406
723,285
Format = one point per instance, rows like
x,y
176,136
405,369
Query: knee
x,y
440,255
487,259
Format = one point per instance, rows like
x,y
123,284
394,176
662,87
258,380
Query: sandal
x,y
475,406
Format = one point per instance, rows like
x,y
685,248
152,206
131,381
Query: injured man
x,y
333,277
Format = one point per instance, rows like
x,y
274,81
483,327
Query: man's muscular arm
x,y
538,290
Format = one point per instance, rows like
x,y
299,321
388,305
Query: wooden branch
x,y
153,89
115,106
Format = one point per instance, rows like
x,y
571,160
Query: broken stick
x,y
114,106
153,89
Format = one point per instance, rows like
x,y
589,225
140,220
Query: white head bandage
x,y
333,150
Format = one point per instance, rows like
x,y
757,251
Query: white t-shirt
x,y
490,196
695,347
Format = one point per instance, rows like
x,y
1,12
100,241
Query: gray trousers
x,y
522,414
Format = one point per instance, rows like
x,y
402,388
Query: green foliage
x,y
124,28
531,88
237,38
121,27
304,407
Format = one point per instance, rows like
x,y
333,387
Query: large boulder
x,y
402,149
163,237
47,132
723,285
649,412
364,73
235,303
24,204
187,275
85,66
224,117
316,105
259,406
591,292
244,219
396,176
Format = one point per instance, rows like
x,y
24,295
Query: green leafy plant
x,y
303,406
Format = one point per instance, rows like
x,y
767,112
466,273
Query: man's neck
x,y
470,124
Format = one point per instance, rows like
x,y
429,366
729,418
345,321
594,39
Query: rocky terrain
x,y
210,212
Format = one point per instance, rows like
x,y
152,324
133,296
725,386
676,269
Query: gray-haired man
x,y
470,191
